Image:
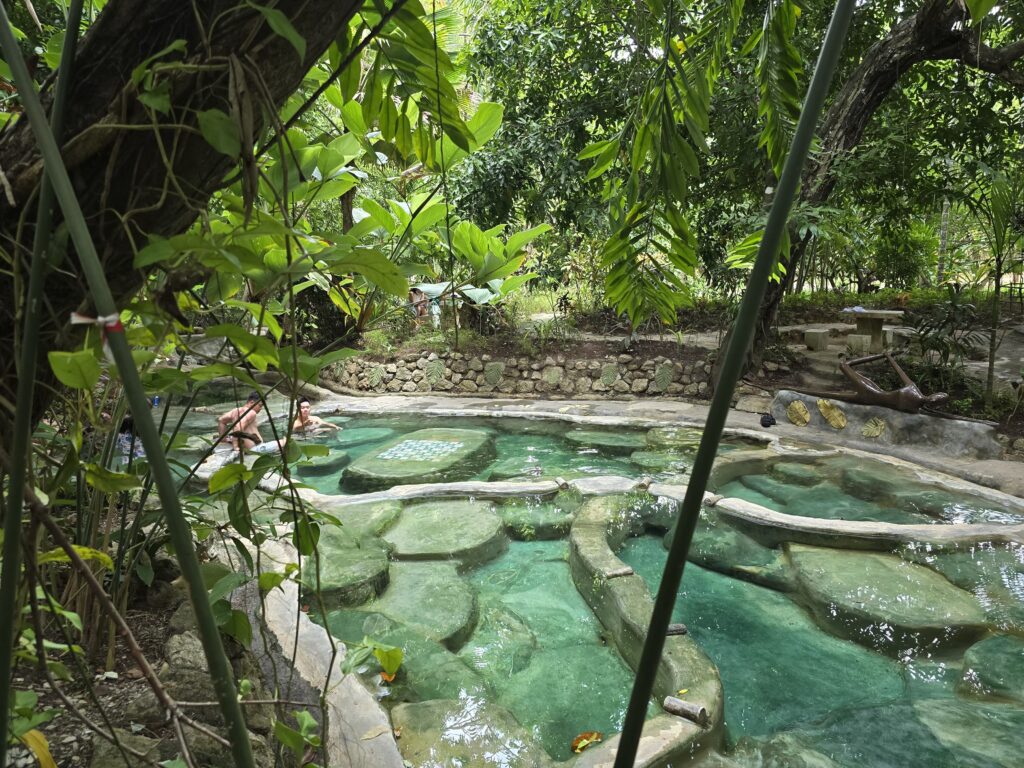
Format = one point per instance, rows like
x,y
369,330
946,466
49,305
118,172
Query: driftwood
x,y
676,629
693,712
616,572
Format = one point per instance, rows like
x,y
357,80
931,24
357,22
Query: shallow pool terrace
x,y
520,614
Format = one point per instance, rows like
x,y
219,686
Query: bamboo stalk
x,y
22,438
742,336
181,535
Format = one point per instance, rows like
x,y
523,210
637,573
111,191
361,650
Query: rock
x,y
467,732
106,755
975,734
316,466
795,474
638,386
785,750
659,461
720,547
528,519
502,644
161,596
612,442
620,386
424,456
347,438
883,601
469,531
468,385
995,667
869,484
552,374
684,438
209,753
369,518
772,488
432,599
352,570
428,671
183,619
476,364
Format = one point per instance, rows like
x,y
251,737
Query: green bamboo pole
x,y
743,332
181,534
22,437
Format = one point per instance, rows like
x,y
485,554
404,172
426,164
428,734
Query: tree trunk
x,y
993,335
940,30
145,179
940,271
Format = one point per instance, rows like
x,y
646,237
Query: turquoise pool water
x,y
793,691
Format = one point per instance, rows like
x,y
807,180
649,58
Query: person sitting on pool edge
x,y
240,426
307,423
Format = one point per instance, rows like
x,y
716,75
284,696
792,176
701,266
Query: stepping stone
x,y
467,732
502,644
869,484
469,531
883,601
720,547
432,599
347,438
368,519
978,734
827,501
334,461
352,571
424,456
659,461
684,438
428,671
995,667
529,520
795,474
610,442
772,488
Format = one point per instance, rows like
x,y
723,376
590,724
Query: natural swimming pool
x,y
797,685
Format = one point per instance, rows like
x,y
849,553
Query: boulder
x,y
348,438
334,461
352,570
432,599
466,732
883,601
528,519
424,456
621,442
995,667
469,531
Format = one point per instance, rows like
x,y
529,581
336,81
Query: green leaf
x,y
237,626
269,580
979,9
374,266
212,571
144,569
227,584
109,481
227,476
220,132
390,658
290,738
86,553
517,241
283,27
78,370
310,450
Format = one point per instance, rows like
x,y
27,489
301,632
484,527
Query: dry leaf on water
x,y
586,739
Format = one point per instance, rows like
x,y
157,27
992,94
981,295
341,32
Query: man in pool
x,y
306,423
241,428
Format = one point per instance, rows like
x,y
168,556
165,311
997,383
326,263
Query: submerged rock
x,y
466,732
795,474
684,438
720,547
334,461
528,519
432,599
883,601
347,438
995,667
979,734
610,442
369,518
352,570
469,531
424,456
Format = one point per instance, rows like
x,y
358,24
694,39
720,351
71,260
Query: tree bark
x,y
135,176
940,30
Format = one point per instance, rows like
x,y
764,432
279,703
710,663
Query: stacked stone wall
x,y
554,375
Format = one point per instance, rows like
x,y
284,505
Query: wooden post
x,y
695,713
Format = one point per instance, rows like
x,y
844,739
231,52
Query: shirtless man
x,y
306,423
239,424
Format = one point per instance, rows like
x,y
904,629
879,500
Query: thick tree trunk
x,y
144,178
940,272
939,30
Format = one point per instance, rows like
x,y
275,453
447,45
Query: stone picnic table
x,y
869,323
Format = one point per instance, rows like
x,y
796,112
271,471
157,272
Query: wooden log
x,y
695,713
676,629
623,571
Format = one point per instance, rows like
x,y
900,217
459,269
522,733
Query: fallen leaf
x,y
586,739
397,732
373,733
35,741
386,677
682,691
798,413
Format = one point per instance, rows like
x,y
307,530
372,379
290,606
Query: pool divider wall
x,y
622,602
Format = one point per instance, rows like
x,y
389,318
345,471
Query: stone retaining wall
x,y
553,375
